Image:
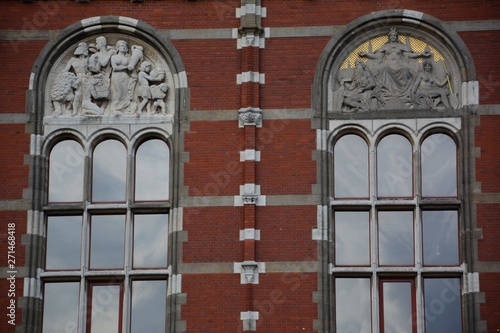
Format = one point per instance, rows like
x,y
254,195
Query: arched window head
x,y
394,71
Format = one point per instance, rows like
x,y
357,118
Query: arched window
x,y
109,172
107,255
396,242
66,164
152,171
439,166
394,167
351,167
106,98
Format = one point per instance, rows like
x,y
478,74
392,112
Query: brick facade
x,y
281,233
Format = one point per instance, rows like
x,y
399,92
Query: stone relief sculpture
x,y
103,80
393,77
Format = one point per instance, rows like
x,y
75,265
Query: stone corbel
x,y
250,117
249,271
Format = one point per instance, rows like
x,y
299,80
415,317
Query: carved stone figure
x,y
120,78
106,82
145,90
158,93
428,90
391,78
100,59
97,93
63,92
79,65
357,93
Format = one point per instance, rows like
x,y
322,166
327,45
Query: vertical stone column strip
x,y
250,40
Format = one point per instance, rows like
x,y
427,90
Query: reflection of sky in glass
x,y
439,166
107,241
148,306
66,172
109,172
353,313
105,309
394,167
351,167
150,241
60,307
397,307
440,237
152,171
442,305
395,233
63,242
352,242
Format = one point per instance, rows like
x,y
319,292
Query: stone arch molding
x,y
109,71
395,60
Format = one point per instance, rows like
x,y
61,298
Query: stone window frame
x,y
87,276
345,39
416,130
44,134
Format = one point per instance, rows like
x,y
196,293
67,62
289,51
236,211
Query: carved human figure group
x,y
392,78
106,82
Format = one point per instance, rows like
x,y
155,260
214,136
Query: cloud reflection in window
x,y
394,167
109,172
440,237
351,167
150,241
152,171
66,172
107,241
397,307
439,166
148,306
352,238
64,234
395,233
60,311
353,312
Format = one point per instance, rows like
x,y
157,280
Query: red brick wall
x,y
14,174
488,165
284,300
488,219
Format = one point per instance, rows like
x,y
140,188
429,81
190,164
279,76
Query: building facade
x,y
251,165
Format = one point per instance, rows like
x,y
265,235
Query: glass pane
x,y
395,237
66,172
352,310
152,171
351,167
107,241
352,238
439,166
394,167
64,239
397,307
105,309
440,237
442,305
150,241
149,306
109,172
60,307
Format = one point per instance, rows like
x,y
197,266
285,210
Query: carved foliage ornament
x,y
109,75
393,72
